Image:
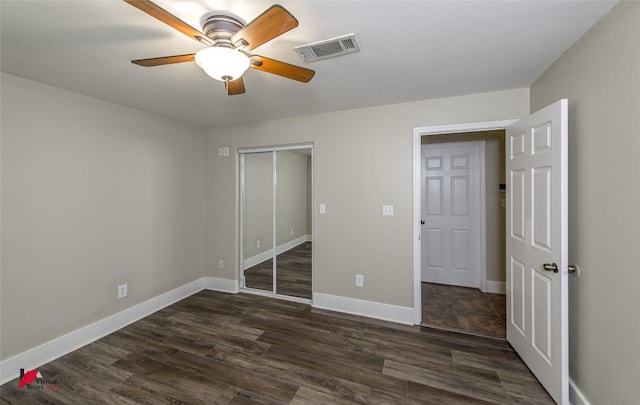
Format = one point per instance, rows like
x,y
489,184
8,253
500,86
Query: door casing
x,y
240,183
418,133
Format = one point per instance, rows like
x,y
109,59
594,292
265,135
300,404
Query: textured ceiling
x,y
411,50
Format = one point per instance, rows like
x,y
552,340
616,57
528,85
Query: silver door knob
x,y
550,267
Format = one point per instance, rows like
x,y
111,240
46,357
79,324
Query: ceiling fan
x,y
229,41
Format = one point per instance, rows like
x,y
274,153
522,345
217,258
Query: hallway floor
x,y
463,309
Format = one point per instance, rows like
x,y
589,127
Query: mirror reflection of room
x,y
283,267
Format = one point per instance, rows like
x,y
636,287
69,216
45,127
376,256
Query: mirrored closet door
x,y
276,221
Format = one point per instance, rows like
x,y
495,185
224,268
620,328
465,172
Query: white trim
x,y
417,149
576,397
269,294
274,230
51,350
369,309
494,287
266,255
240,181
467,127
275,148
221,284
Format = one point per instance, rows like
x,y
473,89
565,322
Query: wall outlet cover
x,y
122,291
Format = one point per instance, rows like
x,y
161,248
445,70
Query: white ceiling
x,y
411,50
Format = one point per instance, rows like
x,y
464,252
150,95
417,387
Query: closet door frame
x,y
241,186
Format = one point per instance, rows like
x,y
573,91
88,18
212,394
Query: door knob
x,y
422,222
572,268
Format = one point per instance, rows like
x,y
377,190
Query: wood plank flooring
x,y
463,309
218,348
293,275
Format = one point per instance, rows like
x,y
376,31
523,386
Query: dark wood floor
x,y
217,348
293,275
463,309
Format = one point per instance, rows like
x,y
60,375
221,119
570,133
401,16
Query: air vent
x,y
329,49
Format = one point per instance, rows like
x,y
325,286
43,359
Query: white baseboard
x,y
49,351
495,287
576,397
221,284
36,357
369,309
264,256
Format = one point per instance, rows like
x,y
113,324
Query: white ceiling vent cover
x,y
329,48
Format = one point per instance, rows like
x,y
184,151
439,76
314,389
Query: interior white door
x,y
537,234
449,211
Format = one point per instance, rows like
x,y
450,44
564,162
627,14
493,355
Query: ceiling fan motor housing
x,y
221,27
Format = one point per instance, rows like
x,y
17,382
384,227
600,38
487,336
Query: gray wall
x,y
362,160
600,75
93,195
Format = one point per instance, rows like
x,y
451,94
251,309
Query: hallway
x,y
463,309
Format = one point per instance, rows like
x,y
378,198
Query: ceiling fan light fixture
x,y
221,63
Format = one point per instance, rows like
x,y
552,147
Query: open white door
x,y
537,238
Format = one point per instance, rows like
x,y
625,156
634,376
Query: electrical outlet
x,y
122,291
221,264
291,231
258,243
359,280
387,210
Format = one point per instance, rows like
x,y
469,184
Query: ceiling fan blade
x,y
165,60
235,86
268,25
163,15
281,68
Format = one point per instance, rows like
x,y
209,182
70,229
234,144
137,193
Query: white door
x,y
450,190
537,298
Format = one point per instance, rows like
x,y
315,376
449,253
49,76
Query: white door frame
x,y
241,182
417,187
